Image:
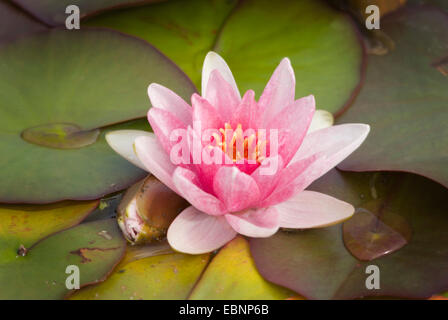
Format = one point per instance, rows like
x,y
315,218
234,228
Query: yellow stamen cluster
x,y
237,146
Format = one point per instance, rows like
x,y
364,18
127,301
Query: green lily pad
x,y
183,30
53,13
253,37
316,264
167,276
95,248
405,99
14,23
90,79
21,226
231,274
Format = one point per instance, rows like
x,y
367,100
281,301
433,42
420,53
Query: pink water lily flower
x,y
235,196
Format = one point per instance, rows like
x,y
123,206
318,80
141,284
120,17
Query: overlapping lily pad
x,y
87,79
316,264
38,270
437,3
253,36
53,12
14,23
231,274
21,226
183,30
405,98
167,276
358,7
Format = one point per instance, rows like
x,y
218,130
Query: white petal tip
x,y
121,141
321,119
214,61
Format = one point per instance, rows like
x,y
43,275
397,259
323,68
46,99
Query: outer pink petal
x,y
331,146
256,223
155,159
214,61
236,189
186,182
222,96
195,232
164,98
279,92
164,123
309,209
292,124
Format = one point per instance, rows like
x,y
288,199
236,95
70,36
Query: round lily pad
x,y
442,4
317,264
253,37
60,92
167,276
14,23
231,274
53,12
41,273
405,98
21,226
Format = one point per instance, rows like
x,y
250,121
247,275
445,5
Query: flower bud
x,y
147,210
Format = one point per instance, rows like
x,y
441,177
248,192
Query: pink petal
x,y
213,61
222,96
267,182
320,151
205,115
279,92
206,161
331,146
236,189
207,170
187,183
195,232
155,159
164,125
292,124
164,98
309,209
290,181
247,112
256,223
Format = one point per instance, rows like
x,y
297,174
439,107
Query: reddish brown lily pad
x,y
316,263
14,23
405,98
53,13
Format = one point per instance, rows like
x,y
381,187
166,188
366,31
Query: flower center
x,y
238,145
